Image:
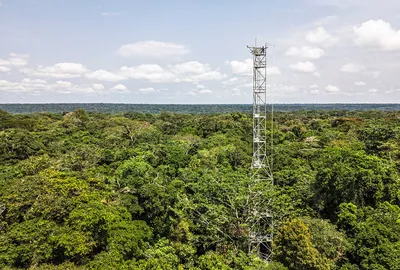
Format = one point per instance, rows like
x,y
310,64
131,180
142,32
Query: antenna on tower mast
x,y
261,223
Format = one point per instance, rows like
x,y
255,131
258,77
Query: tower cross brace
x,y
261,236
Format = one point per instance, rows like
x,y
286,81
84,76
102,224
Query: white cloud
x,y
193,72
205,91
303,67
18,60
191,93
373,90
103,75
273,71
320,36
314,91
200,86
73,68
208,76
360,83
242,67
4,62
377,33
4,69
97,86
152,73
147,90
59,71
332,89
19,55
64,84
35,81
305,52
190,67
25,86
37,86
352,68
65,87
152,48
313,86
120,88
230,81
246,68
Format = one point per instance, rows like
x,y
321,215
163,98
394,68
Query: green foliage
x,y
294,247
375,235
171,191
346,175
330,243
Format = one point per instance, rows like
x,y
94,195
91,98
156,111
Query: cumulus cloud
x,y
314,91
152,73
207,76
205,91
305,52
103,75
373,90
59,71
152,48
193,72
332,89
246,68
64,83
307,67
377,33
242,67
32,86
359,83
320,36
190,67
17,60
120,88
313,86
97,86
73,68
352,68
26,85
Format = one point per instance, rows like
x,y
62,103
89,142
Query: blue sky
x,y
195,51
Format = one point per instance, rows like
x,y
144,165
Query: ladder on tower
x,y
261,235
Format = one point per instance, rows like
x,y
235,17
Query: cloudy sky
x,y
180,51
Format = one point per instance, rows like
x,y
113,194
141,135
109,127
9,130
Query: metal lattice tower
x,y
261,221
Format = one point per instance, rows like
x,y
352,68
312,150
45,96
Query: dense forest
x,y
86,190
188,108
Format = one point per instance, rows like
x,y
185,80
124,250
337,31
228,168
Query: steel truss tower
x,y
261,221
